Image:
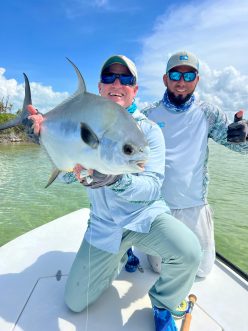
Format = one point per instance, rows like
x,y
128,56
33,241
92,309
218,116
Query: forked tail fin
x,y
23,117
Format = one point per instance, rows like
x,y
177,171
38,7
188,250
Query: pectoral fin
x,y
53,176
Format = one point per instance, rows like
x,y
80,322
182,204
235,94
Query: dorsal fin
x,y
81,83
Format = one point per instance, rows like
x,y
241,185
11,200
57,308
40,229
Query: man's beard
x,y
178,100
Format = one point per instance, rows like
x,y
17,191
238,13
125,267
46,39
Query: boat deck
x,y
33,272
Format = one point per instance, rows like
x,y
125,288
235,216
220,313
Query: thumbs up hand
x,y
237,131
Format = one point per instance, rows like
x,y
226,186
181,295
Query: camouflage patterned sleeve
x,y
218,126
67,177
100,180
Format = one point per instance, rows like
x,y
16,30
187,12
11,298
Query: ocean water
x,y
228,197
26,204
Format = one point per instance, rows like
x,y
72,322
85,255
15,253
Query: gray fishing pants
x,y
199,219
94,270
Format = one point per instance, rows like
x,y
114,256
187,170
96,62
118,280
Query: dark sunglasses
x,y
109,78
187,76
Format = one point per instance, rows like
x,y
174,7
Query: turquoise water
x,y
26,204
228,196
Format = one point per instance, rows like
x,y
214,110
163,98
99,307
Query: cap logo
x,y
184,58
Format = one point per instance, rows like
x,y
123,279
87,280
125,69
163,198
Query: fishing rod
x,y
188,315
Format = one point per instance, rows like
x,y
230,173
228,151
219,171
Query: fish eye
x,y
128,149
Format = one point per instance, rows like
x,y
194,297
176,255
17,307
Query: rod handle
x,y
186,322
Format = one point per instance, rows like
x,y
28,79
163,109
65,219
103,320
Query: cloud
x,y
216,31
100,3
227,88
77,8
44,97
141,104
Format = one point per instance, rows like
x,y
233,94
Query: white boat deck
x,y
32,296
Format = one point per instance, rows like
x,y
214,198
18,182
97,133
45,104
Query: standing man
x,y
187,123
127,210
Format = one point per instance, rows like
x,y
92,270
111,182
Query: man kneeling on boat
x,y
127,210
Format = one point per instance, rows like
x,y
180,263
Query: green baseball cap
x,y
121,59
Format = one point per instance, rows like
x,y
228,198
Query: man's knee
x,y
155,263
193,254
74,301
74,306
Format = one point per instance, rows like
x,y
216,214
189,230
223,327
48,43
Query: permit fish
x,y
90,130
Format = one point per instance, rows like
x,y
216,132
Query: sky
x,y
37,36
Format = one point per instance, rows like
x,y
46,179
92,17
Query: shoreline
x,y
13,138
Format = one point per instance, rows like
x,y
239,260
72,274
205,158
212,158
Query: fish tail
x,y
22,118
10,124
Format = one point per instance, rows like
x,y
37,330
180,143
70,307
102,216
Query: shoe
x,y
163,320
132,262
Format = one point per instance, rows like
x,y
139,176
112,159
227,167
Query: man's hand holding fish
x,y
87,177
36,117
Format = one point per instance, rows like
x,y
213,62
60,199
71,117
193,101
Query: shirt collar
x,y
177,109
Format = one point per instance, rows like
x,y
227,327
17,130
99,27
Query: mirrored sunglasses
x,y
109,78
187,76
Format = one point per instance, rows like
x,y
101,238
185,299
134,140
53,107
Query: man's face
x,y
121,94
180,90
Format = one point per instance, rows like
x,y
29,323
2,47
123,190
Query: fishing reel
x,y
181,310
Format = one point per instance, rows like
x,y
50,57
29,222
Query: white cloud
x,y
43,97
100,3
227,88
141,104
76,8
216,31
